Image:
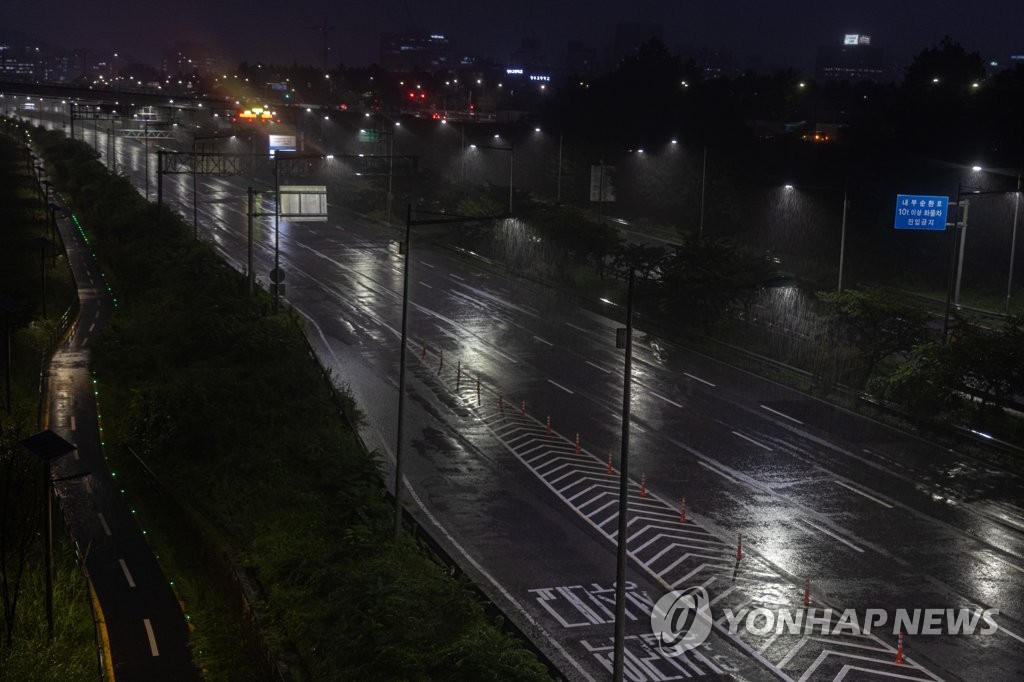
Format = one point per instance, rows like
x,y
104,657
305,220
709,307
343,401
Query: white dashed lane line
x,y
560,386
670,402
103,522
696,378
127,573
543,340
864,494
751,440
152,638
784,416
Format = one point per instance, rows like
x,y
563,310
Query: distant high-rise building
x,y
630,35
186,58
854,60
22,59
417,50
530,55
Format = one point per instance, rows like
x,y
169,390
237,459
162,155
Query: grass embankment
x,y
222,401
28,655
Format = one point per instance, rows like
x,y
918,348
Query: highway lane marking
x,y
92,326
784,416
73,424
696,378
103,522
833,535
543,340
560,386
501,588
751,440
85,340
667,400
425,284
1017,637
860,492
1004,561
427,264
454,276
606,371
577,328
152,639
721,473
127,573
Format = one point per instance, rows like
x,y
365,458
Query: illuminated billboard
x,y
282,143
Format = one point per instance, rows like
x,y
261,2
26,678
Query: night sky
x,y
261,30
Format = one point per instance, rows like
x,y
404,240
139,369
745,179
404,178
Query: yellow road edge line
x,y
101,622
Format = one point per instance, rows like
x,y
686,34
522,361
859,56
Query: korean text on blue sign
x,y
915,212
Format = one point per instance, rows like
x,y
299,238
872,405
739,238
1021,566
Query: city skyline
x,y
768,37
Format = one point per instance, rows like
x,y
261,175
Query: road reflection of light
x,y
991,577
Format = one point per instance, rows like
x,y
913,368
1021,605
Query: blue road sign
x,y
916,212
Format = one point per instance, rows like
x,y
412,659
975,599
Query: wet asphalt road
x,y
873,518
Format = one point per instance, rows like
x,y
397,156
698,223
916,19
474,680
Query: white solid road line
x,y
670,402
127,573
606,371
1004,561
425,284
695,378
833,535
560,386
751,440
543,340
103,522
860,492
784,416
152,639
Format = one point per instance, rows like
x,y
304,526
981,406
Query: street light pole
x,y
621,540
401,373
703,184
842,243
952,265
558,190
145,133
960,258
277,230
511,163
1013,244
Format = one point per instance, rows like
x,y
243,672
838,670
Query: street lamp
x,y
624,339
405,251
789,187
957,253
48,446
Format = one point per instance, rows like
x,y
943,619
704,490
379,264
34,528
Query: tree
x,y
877,323
706,277
20,503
